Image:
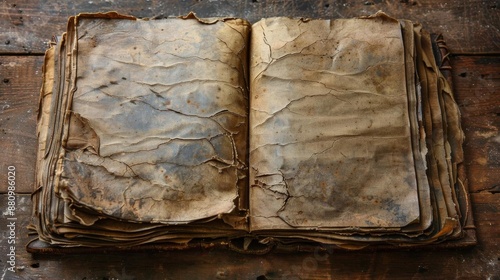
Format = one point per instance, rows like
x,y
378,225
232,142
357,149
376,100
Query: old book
x,y
184,131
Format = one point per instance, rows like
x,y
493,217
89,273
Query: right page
x,y
333,134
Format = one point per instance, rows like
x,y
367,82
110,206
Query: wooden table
x,y
472,31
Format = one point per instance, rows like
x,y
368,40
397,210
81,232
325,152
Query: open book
x,y
182,130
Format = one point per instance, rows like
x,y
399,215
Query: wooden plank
x,y
469,26
20,81
476,80
478,262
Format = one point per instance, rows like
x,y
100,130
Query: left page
x,y
146,121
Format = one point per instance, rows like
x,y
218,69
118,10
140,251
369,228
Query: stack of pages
x,y
289,131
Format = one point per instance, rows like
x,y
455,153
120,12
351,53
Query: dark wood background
x,y
472,31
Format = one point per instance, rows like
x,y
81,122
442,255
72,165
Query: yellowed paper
x,y
330,142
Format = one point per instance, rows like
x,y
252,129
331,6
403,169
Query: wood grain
x,y
476,80
469,26
20,81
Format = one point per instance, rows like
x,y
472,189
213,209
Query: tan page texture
x,y
331,139
157,127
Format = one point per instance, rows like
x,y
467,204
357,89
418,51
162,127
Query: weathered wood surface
x,y
476,80
20,81
471,26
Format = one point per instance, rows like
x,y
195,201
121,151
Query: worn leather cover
x,y
191,133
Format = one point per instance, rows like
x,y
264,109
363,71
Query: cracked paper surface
x,y
330,142
85,181
158,122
